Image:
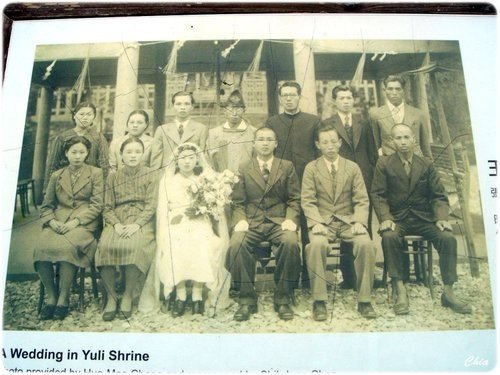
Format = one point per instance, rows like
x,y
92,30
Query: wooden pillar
x,y
160,87
419,93
272,81
44,110
459,179
303,59
126,87
379,86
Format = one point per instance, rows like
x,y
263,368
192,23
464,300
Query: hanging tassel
x,y
79,85
48,71
171,66
228,50
358,74
255,65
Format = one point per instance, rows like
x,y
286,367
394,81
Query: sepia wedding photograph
x,y
248,185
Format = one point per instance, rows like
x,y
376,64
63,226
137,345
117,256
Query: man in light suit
x,y
395,111
335,202
167,137
266,208
409,198
358,146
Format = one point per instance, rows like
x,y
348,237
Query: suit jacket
x,y
362,150
255,201
84,201
382,122
166,139
350,203
395,195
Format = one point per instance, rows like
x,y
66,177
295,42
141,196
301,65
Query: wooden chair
x,y
421,249
23,187
80,275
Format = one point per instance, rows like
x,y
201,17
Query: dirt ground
x,y
426,314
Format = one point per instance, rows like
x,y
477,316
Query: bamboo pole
x,y
459,179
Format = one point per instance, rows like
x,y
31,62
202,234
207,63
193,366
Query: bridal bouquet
x,y
211,193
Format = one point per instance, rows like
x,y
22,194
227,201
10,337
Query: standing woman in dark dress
x,y
69,213
83,118
128,238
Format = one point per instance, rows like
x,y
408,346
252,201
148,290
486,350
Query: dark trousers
x,y
443,241
241,260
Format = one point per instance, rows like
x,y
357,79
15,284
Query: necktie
x,y
348,128
181,130
407,167
265,172
333,172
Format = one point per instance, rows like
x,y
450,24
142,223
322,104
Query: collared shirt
x,y
329,164
403,160
269,163
178,123
242,126
343,117
398,113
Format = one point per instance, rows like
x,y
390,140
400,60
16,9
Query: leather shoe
x,y
178,308
47,312
244,312
108,316
402,308
198,307
319,311
284,311
461,308
61,312
366,310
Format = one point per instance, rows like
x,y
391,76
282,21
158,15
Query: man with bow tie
x,y
183,129
335,202
266,207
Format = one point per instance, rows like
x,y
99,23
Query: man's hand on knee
x,y
320,230
387,225
358,228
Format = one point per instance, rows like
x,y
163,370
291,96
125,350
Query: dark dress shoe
x,y
61,312
244,312
198,307
108,316
47,312
319,311
402,308
461,307
284,311
366,310
178,308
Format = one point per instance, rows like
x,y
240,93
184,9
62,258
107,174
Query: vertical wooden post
x,y
303,58
42,140
459,180
272,81
126,87
160,87
217,85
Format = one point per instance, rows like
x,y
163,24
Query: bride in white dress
x,y
188,249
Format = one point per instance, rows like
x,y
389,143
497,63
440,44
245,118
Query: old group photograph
x,y
248,186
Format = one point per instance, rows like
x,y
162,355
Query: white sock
x,y
181,291
197,292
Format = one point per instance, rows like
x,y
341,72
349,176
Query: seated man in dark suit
x,y
409,198
266,207
335,202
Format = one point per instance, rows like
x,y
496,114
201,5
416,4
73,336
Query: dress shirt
x,y
242,126
269,163
329,164
398,113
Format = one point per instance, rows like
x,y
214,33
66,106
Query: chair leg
x,y
41,297
81,291
94,280
33,195
429,268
